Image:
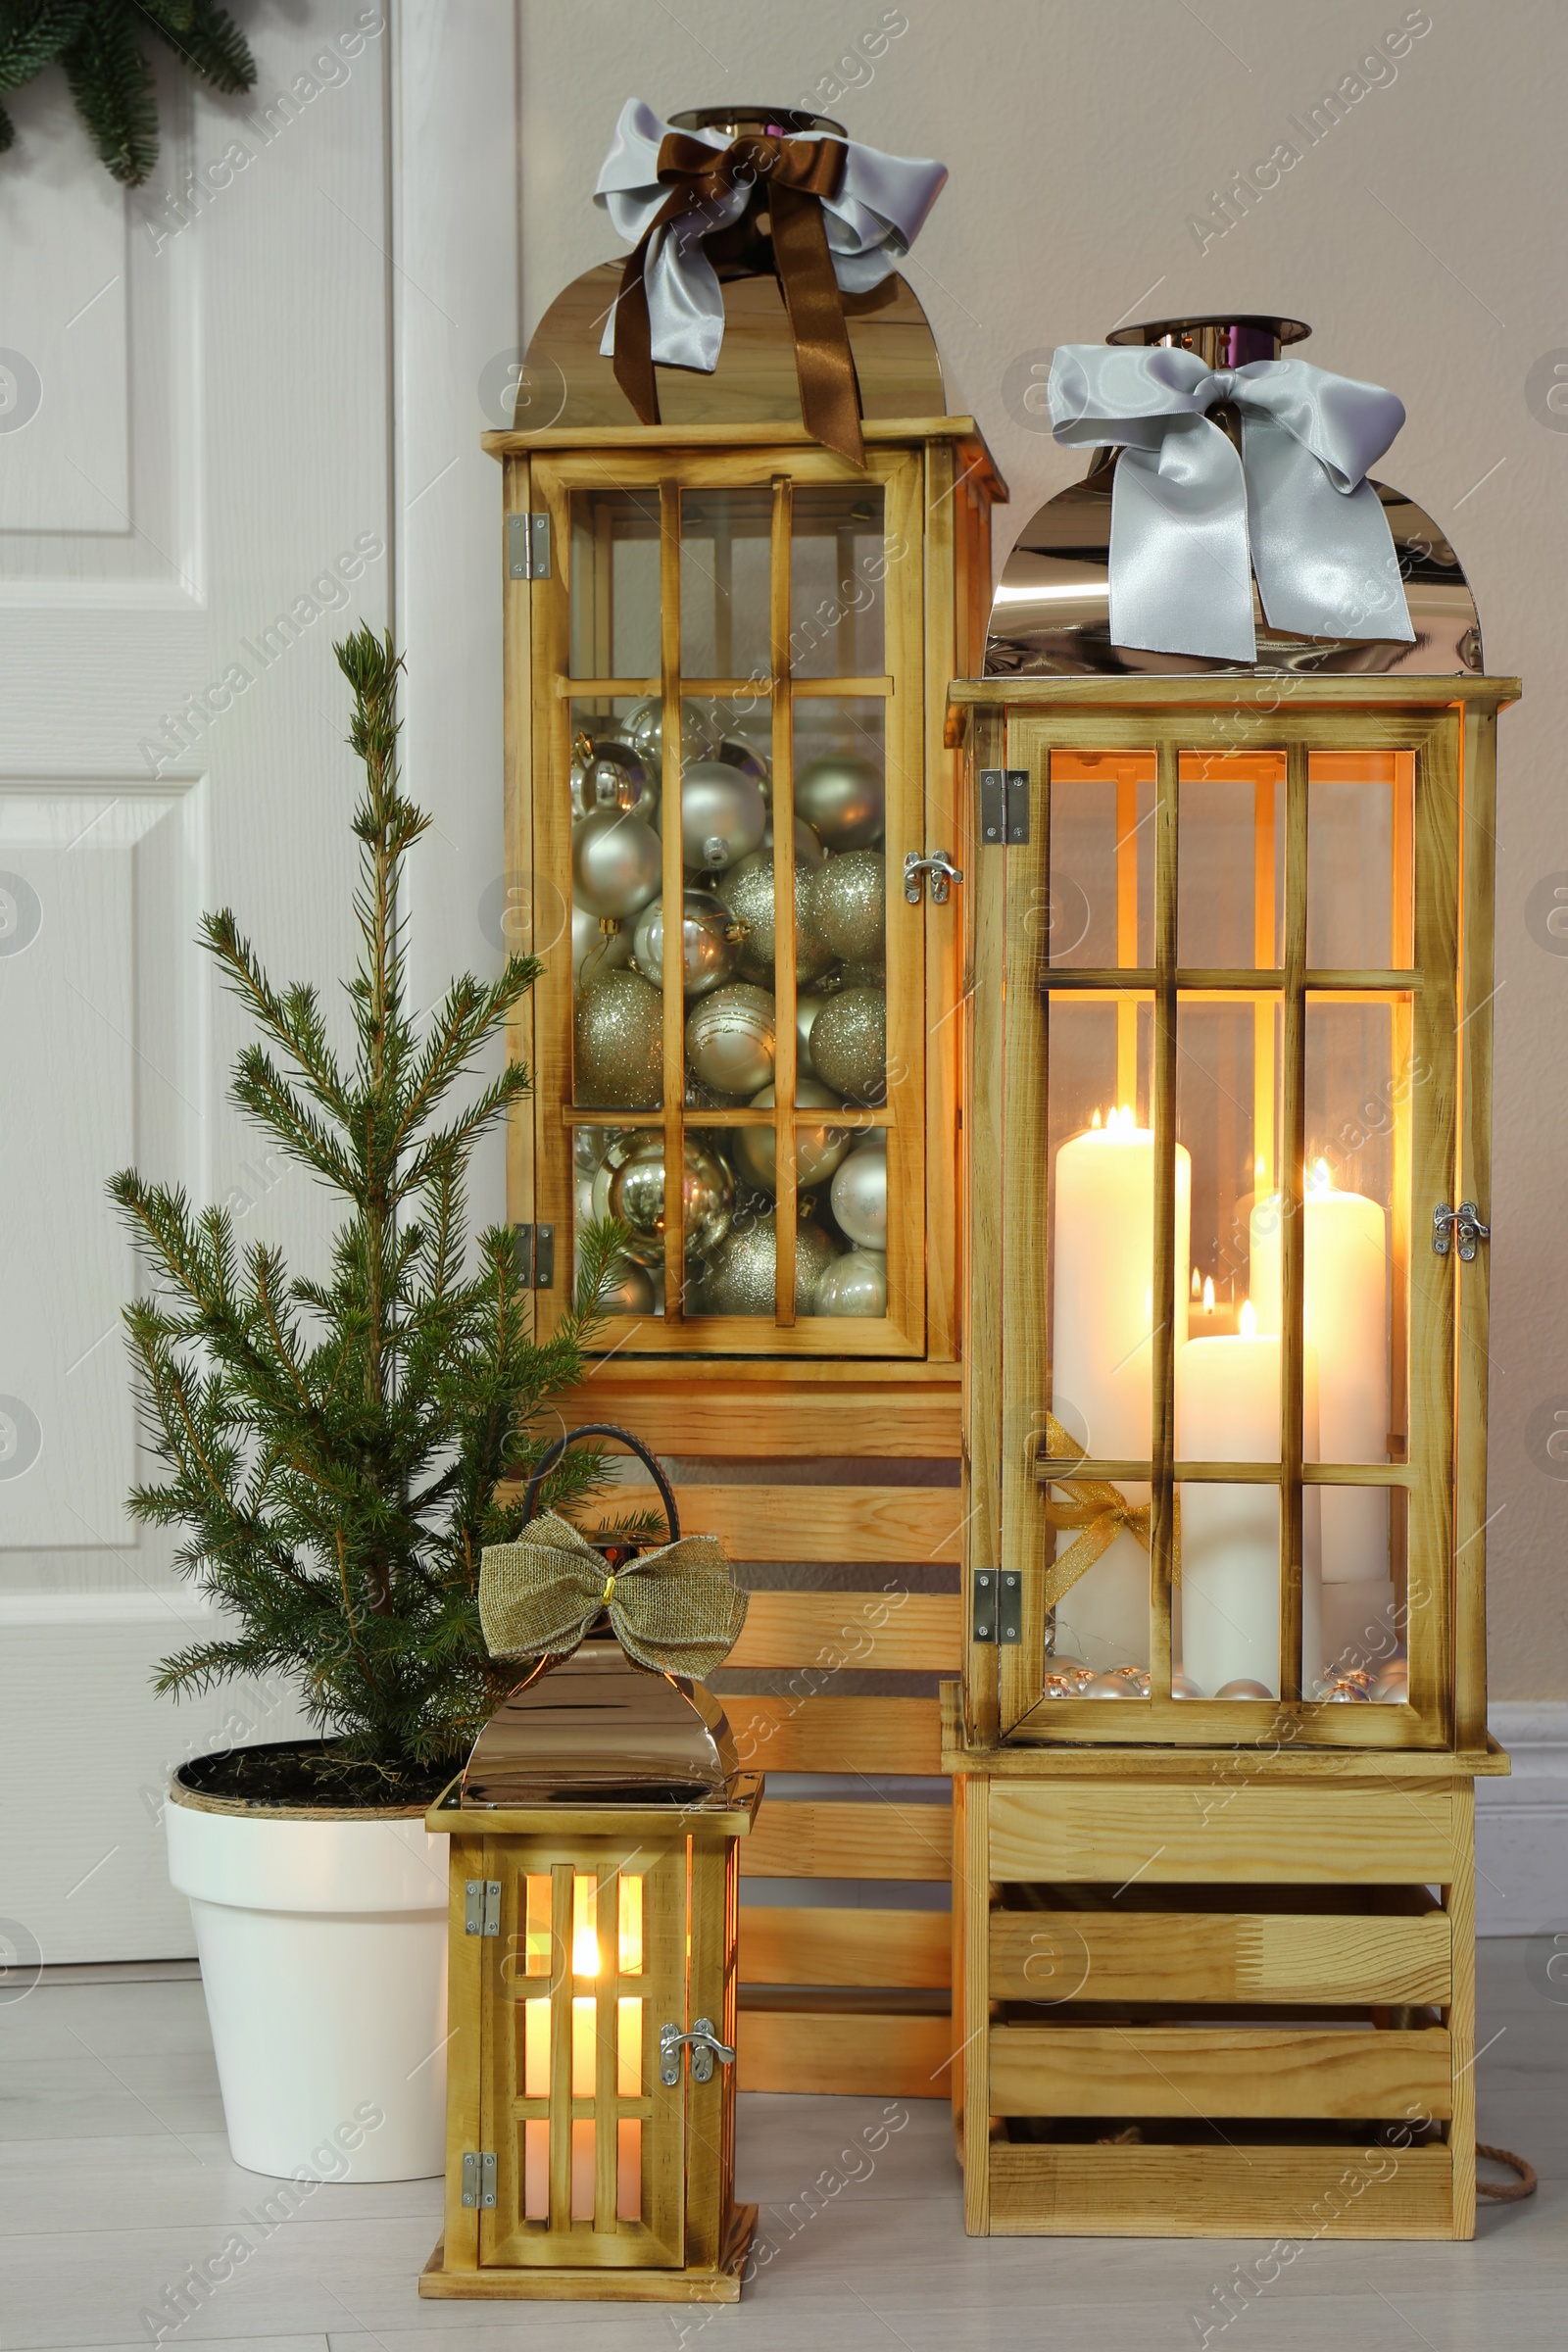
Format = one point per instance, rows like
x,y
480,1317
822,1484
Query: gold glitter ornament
x,y
743,1271
809,1002
817,1149
621,1044
730,1039
842,798
850,1044
749,891
855,1284
849,905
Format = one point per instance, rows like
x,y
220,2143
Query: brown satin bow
x,y
1102,1511
798,173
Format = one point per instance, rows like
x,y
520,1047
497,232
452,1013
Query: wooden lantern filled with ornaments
x,y
592,1991
1233,941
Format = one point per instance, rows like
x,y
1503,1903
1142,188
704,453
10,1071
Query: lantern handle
x,y
603,1429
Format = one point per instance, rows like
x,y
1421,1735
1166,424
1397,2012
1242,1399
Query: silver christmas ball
x,y
621,1044
630,1293
842,798
1182,1686
722,815
643,730
609,774
1343,1690
595,949
589,1145
817,1149
809,1002
749,889
710,941
808,850
730,1039
848,903
1243,1687
860,1194
1392,1688
742,1270
637,1198
1058,1685
855,1284
1115,1684
616,862
736,751
583,1201
850,1044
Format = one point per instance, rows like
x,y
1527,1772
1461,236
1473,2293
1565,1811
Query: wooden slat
x,y
913,1632
985,1364
1162,1090
1301,2192
1460,1895
836,1734
1219,1956
1477,939
1389,1835
795,1841
1293,1243
852,2056
1218,2071
911,1950
1223,695
734,1416
860,1523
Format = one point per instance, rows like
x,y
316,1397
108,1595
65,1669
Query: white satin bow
x,y
879,210
1190,521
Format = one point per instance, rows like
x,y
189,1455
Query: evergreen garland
x,y
98,42
335,1448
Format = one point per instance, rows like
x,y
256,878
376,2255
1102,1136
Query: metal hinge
x,y
478,2179
528,547
1468,1229
1004,806
703,2045
536,1256
941,870
998,1605
481,1907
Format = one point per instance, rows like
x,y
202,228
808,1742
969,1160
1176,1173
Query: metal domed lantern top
x,y
592,1988
1053,612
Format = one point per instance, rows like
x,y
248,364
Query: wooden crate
x,y
1214,1994
834,1996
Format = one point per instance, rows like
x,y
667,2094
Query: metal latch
x,y
941,870
1003,805
481,1907
536,1256
1468,1229
998,1605
705,2047
478,2179
528,547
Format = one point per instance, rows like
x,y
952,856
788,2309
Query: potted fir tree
x,y
333,1452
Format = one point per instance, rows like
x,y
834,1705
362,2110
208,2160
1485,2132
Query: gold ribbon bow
x,y
797,174
1102,1511
676,1610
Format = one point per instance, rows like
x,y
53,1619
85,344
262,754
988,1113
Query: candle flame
x,y
1095,1120
1208,1293
1198,1287
1321,1179
1127,1118
1257,1167
1249,1320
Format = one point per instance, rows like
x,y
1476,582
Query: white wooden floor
x,y
115,2177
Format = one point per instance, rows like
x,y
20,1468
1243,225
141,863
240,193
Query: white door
x,y
239,411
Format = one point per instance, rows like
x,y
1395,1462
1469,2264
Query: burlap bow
x,y
1103,1511
797,174
676,1610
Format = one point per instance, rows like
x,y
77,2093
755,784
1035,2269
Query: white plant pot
x,y
323,1941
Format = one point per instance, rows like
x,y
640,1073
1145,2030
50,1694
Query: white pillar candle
x,y
1103,1354
1344,1297
1228,1410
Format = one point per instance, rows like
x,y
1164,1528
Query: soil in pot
x,y
316,1775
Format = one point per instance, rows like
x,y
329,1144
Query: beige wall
x,y
1422,238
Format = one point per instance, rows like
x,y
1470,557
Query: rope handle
x,y
1509,2192
603,1429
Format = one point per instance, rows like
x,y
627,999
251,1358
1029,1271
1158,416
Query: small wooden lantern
x,y
592,1995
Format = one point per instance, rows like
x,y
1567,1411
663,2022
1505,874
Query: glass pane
x,y
1226,1615
582,2170
536,2049
1102,908
615,583
629,2170
1365,1628
537,2171
838,565
584,1927
583,2047
537,1934
631,1926
616,869
1227,1118
1101,1271
629,2062
1359,860
1230,873
724,568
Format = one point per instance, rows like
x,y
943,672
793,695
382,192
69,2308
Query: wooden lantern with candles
x,y
1225,1691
